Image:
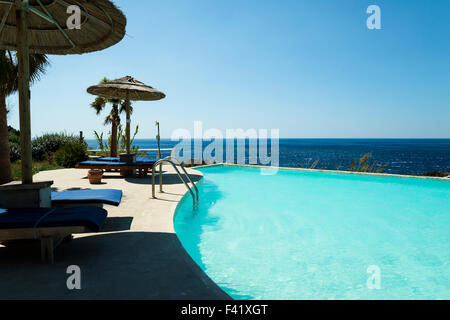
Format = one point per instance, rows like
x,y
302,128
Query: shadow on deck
x,y
126,265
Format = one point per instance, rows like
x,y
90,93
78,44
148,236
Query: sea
x,y
396,156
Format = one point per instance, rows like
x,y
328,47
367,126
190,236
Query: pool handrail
x,y
160,162
177,162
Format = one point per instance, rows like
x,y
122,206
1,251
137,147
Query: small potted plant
x,y
95,176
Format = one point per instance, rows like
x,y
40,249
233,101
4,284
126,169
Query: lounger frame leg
x,y
47,250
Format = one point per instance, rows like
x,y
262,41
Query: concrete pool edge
x,y
320,170
196,269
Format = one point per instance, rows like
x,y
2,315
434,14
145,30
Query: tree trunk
x,y
23,63
5,162
114,143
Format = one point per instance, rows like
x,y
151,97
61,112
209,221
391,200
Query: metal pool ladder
x,y
173,161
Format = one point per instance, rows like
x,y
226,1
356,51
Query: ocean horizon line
x,y
137,139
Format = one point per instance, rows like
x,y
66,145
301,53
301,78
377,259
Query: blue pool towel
x,y
106,196
92,218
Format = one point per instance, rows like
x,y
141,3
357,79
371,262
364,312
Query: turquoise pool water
x,y
313,235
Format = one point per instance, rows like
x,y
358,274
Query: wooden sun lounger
x,y
142,167
50,226
50,238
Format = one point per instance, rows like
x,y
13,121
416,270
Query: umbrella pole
x,y
23,58
158,139
159,154
128,128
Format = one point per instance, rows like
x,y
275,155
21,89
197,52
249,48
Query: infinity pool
x,y
313,235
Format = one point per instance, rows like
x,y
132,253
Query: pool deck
x,y
137,255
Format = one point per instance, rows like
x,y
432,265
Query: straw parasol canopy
x,y
46,26
129,89
126,88
102,25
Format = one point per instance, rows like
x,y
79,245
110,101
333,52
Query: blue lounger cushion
x,y
92,218
106,196
116,164
138,159
109,159
102,163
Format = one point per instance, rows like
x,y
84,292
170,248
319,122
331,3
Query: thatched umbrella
x,y
129,89
45,26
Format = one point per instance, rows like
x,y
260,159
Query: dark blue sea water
x,y
402,156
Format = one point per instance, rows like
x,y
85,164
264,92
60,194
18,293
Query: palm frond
x,y
123,106
99,138
104,80
98,104
38,64
9,70
108,120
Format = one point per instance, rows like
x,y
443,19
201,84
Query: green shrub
x,y
70,154
436,173
16,168
14,147
41,147
364,165
14,139
50,143
14,151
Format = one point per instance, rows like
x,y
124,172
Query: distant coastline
x,y
402,156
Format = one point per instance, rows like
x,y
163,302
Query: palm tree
x,y
9,75
113,118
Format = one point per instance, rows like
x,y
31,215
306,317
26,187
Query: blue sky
x,y
310,68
